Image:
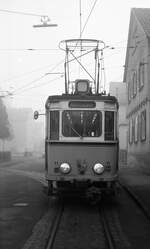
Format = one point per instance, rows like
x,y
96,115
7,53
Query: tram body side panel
x,y
79,154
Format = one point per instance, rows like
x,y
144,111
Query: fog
x,y
31,61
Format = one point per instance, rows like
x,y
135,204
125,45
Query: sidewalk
x,y
11,162
25,162
22,204
138,180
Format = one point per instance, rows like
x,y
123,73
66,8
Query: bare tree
x,y
5,133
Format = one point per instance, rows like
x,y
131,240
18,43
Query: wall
x,y
138,51
118,89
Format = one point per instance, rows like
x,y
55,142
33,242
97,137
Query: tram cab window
x,y
54,125
78,123
109,125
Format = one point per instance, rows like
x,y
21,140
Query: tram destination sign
x,y
82,104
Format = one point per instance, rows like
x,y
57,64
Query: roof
x,y
69,97
143,16
54,98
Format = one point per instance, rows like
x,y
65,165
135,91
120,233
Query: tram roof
x,y
69,97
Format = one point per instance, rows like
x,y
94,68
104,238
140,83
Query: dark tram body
x,y
81,141
81,145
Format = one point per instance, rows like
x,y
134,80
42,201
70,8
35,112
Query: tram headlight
x,y
98,168
65,168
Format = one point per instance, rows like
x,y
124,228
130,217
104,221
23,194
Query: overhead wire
x,y
52,69
21,13
82,30
28,84
26,73
88,17
58,64
39,85
28,49
38,79
80,19
17,12
44,84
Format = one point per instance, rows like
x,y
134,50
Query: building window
x,y
143,125
139,125
141,75
129,97
136,129
130,131
134,82
131,90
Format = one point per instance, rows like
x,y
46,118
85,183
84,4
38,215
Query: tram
x,y
81,143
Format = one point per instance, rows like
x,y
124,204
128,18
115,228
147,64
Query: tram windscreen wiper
x,y
76,132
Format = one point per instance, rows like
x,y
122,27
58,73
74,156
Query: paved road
x,y
135,224
22,204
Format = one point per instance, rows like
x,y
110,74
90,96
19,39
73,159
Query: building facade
x,y
119,90
137,77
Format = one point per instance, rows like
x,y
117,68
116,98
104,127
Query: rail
x,y
54,228
115,237
107,230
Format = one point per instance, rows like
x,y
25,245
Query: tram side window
x,y
109,125
54,125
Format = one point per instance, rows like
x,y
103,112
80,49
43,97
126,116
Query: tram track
x,y
101,226
115,237
77,226
108,231
54,228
